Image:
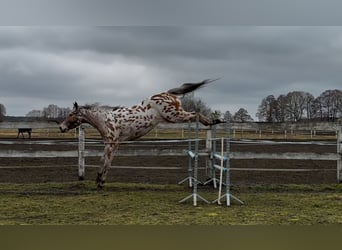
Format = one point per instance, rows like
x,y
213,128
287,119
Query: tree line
x,y
299,105
51,111
292,107
191,103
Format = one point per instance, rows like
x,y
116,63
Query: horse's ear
x,y
75,106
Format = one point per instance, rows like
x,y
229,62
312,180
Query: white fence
x,y
83,152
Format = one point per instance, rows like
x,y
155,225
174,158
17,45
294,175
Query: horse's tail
x,y
189,87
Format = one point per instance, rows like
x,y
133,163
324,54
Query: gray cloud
x,y
176,12
122,65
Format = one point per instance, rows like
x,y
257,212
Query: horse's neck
x,y
95,119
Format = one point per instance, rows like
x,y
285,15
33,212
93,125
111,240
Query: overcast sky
x,y
123,65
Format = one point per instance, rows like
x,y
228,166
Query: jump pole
x,y
81,156
339,152
195,196
221,176
191,156
225,168
211,147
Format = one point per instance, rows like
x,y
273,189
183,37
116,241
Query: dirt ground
x,y
163,169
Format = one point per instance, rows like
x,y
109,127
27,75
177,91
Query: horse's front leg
x,y
108,156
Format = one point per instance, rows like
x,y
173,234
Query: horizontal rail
x,y
94,166
284,169
172,152
38,154
285,156
89,153
220,168
220,157
177,168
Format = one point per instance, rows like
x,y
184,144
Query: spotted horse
x,y
123,124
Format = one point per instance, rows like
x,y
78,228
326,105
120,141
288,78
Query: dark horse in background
x,y
123,124
24,130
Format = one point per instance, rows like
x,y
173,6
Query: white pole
x,y
339,152
81,148
221,174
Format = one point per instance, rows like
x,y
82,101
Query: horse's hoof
x,y
100,185
218,121
98,178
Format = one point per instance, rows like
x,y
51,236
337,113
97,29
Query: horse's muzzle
x,y
62,129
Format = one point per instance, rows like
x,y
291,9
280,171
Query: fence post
x,y
81,148
339,153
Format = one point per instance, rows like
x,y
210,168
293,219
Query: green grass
x,y
81,203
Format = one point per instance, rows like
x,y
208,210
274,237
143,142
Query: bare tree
x,y
242,116
267,110
317,109
190,103
228,116
2,112
52,111
328,105
309,104
295,105
298,105
217,114
281,108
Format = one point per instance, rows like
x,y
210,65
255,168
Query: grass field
x,y
80,203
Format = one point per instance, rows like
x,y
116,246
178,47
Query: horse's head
x,y
73,120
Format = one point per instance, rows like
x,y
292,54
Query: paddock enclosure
x,y
290,156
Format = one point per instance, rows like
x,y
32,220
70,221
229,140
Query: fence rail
x,y
171,152
288,130
82,153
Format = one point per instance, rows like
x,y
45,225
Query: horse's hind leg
x,y
173,112
183,116
107,160
206,121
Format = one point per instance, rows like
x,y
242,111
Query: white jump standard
x,y
193,180
213,157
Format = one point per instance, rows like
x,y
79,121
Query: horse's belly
x,y
135,132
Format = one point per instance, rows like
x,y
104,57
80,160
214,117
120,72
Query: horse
x,y
118,124
24,130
